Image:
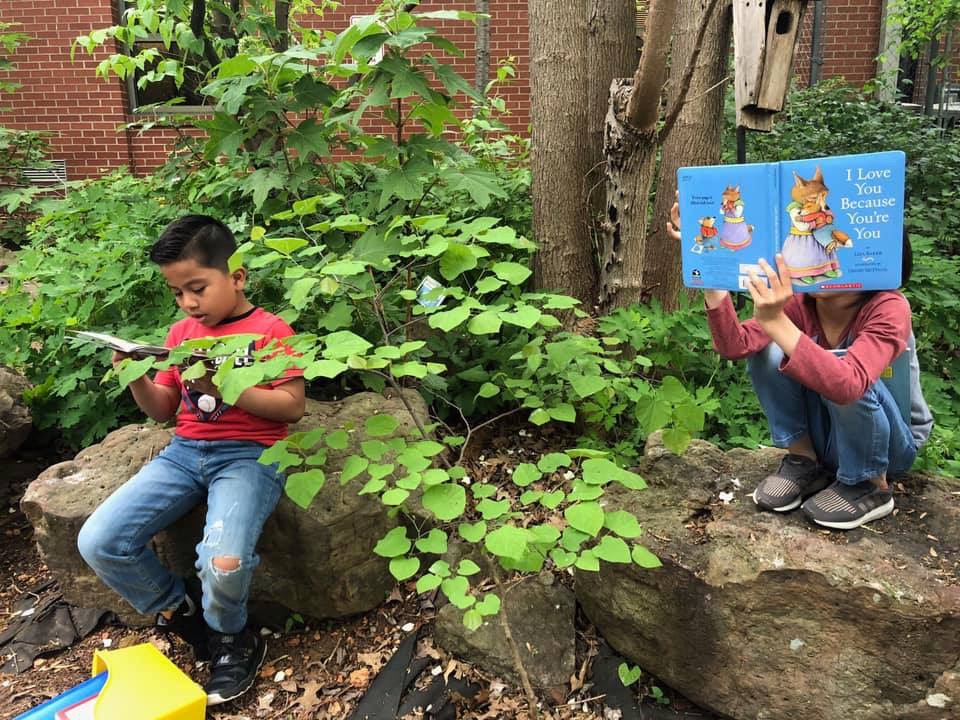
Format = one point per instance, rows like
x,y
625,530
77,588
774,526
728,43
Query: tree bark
x,y
612,53
694,139
558,155
482,61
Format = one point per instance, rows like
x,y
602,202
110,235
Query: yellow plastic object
x,y
142,684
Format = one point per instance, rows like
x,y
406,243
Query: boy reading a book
x,y
841,426
212,458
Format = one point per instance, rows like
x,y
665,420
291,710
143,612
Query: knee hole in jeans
x,y
225,563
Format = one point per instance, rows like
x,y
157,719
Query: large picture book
x,y
837,221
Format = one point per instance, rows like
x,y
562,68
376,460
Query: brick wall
x,y
84,113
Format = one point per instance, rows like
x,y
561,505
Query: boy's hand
x,y
673,224
769,301
119,357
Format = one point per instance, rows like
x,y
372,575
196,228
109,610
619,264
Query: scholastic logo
x,y
842,286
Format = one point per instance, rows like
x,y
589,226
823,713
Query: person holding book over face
x,y
815,360
213,458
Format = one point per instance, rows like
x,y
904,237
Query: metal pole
x,y
816,42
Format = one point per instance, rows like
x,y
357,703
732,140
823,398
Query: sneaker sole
x,y
783,508
875,514
218,699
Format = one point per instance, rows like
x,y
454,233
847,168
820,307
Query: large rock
x,y
763,616
317,562
15,419
541,616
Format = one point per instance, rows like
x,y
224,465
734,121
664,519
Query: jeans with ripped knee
x,y
240,493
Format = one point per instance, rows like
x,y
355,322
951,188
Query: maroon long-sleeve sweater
x,y
879,332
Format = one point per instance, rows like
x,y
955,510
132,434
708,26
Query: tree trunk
x,y
482,61
612,53
694,139
559,159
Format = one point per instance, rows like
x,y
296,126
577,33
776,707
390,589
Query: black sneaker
x,y
236,660
187,622
844,507
797,478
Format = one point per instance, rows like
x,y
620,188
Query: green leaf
x,y
525,473
441,568
612,549
133,369
507,541
488,285
530,496
404,568
344,343
488,390
446,501
644,558
484,490
487,322
394,497
372,487
586,517
379,471
373,449
435,476
622,523
338,440
588,561
513,273
472,619
628,675
467,567
553,499
600,471
562,412
539,417
562,558
492,509
472,532
302,487
394,544
676,441
456,260
434,542
344,268
447,320
381,425
456,589
353,466
427,583
551,462
324,368
587,385
490,605
524,316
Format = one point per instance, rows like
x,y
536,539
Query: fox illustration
x,y
735,234
708,231
810,250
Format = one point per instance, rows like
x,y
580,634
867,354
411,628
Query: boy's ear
x,y
239,277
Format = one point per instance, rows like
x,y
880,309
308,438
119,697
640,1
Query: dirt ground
x,y
315,670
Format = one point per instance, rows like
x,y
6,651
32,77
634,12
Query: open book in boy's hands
x,y
138,350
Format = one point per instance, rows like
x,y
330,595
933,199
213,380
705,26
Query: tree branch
x,y
674,112
198,15
643,109
281,18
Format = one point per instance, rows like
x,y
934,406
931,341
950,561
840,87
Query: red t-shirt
x,y
203,417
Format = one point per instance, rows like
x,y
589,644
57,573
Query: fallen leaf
x,y
289,686
309,700
360,677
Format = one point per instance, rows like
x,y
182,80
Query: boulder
x,y
317,562
15,419
541,616
764,616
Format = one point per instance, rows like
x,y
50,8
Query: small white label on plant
x,y
407,627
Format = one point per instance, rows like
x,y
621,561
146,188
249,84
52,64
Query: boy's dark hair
x,y
195,237
906,266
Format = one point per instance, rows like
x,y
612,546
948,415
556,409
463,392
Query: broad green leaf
x,y
376,471
553,499
434,542
622,523
446,501
492,509
286,245
302,487
525,473
488,390
539,417
472,532
628,675
489,285
676,441
586,517
404,568
372,487
507,541
551,462
587,385
490,605
300,291
344,343
427,583
373,449
447,320
644,558
338,440
455,588
324,368
572,539
600,471
487,322
456,260
483,490
393,544
612,549
381,425
467,567
563,412
394,497
435,476
472,619
441,568
513,273
353,466
524,316
530,496
343,268
588,561
133,369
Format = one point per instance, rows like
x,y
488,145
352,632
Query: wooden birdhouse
x,y
764,38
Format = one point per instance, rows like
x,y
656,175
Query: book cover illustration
x,y
837,221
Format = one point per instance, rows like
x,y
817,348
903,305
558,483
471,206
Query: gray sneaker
x,y
844,507
797,478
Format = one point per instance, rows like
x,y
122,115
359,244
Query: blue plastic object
x,y
78,693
